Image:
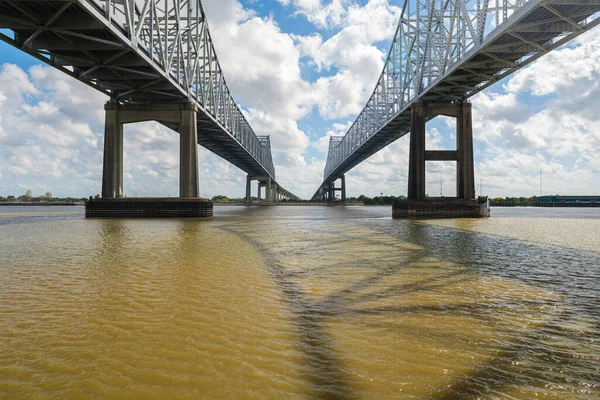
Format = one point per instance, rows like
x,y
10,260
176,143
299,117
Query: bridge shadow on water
x,y
400,260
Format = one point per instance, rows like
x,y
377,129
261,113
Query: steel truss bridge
x,y
142,52
445,51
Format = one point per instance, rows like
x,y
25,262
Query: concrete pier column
x,y
258,195
465,174
248,189
112,168
343,178
331,189
188,152
416,164
268,191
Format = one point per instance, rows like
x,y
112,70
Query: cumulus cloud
x,y
40,137
352,51
326,16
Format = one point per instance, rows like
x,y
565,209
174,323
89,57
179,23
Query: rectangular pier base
x,y
442,208
149,207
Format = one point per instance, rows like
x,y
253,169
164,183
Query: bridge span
x,y
156,61
444,52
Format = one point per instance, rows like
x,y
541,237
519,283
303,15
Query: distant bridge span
x,y
444,52
156,61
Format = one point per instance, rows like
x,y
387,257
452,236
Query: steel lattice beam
x,y
141,51
447,51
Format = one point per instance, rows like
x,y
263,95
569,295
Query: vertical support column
x,y
112,168
465,173
416,164
248,189
269,191
331,189
259,190
188,152
343,178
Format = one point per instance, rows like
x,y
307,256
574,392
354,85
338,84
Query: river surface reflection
x,y
300,302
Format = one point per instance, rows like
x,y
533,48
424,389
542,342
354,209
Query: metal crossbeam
x,y
447,51
141,51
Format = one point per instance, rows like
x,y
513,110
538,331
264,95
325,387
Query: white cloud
x,y
326,16
556,71
338,129
352,51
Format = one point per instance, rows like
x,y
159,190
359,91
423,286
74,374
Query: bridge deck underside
x,y
532,33
65,36
215,139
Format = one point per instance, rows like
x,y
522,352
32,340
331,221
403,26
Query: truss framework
x,y
447,51
138,51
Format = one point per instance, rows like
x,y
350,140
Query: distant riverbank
x,y
42,203
545,204
283,203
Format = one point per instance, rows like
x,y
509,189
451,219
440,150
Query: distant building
x,y
568,199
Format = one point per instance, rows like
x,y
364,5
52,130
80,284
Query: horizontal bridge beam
x,y
441,155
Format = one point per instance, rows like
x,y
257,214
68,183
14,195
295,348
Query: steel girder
x,y
141,51
447,51
287,193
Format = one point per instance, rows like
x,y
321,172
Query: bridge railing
x,y
431,37
173,36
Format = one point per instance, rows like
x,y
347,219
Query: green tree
x,y
220,198
27,196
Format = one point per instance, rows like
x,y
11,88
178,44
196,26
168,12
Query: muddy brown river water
x,y
302,303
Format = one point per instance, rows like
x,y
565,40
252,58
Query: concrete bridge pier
x,y
341,189
326,192
112,203
329,189
188,152
248,189
465,204
112,168
117,115
259,194
269,191
266,182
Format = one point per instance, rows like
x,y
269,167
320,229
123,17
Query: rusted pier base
x,y
442,208
149,207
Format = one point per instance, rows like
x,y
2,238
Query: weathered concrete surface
x,y
439,207
182,114
149,207
463,155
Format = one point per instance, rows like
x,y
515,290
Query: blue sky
x,y
302,70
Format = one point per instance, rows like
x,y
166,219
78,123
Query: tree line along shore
x,y
534,201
